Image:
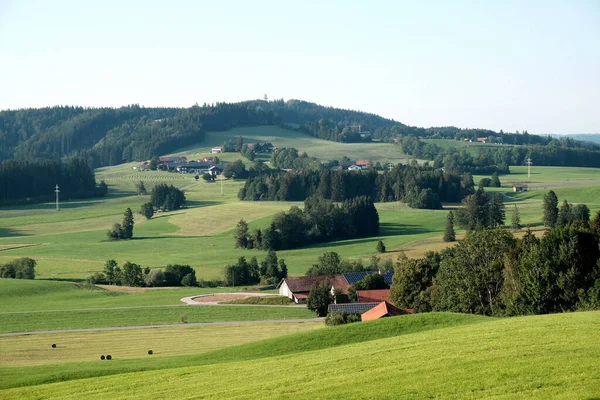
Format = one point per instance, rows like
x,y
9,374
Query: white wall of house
x,y
284,290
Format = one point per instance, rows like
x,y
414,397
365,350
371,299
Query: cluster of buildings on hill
x,y
351,165
208,165
371,304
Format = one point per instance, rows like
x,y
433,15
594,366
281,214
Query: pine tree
x,y
241,234
283,270
127,225
497,211
550,209
147,210
380,246
516,218
258,239
564,215
449,234
140,188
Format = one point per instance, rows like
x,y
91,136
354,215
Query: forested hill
x,y
109,136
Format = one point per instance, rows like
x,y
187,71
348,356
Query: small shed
x,y
518,188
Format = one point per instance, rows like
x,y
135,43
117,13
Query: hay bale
x,y
109,357
150,352
53,345
102,357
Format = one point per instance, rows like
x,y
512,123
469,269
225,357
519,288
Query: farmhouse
x,y
297,288
382,310
362,163
482,139
194,168
217,149
518,188
216,169
172,160
347,164
373,296
354,168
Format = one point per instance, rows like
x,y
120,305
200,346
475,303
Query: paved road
x,y
124,328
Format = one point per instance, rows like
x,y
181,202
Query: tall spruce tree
x,y
516,218
380,246
449,234
127,225
565,216
241,234
497,211
550,209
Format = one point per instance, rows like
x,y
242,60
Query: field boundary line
x,y
134,327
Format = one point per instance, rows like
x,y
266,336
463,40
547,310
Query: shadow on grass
x,y
202,203
390,229
76,280
8,232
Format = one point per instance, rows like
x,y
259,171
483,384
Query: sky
x,y
512,65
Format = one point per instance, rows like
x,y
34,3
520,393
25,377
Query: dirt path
x,y
124,328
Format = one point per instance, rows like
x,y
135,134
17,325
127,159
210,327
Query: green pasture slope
x,y
319,148
417,356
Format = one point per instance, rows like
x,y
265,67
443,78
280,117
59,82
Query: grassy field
x,y
472,148
39,295
13,376
143,316
280,137
131,344
550,356
71,244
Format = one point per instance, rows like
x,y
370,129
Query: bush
x,y
340,318
21,268
98,278
336,318
154,278
485,182
380,246
189,280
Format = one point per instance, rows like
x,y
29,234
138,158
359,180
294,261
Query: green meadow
x,y
71,244
419,356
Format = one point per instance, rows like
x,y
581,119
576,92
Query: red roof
x,y
304,283
300,296
384,309
373,296
362,163
482,139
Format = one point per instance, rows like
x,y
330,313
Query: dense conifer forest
x,y
109,136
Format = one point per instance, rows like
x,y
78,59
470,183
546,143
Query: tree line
x,y
419,186
491,272
320,221
132,274
269,271
34,181
109,136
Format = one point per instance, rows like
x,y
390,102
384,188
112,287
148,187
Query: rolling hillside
x,y
416,356
281,137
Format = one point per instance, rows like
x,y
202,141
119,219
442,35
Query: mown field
x,y
437,355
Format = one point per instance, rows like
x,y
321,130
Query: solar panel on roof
x,y
352,308
353,277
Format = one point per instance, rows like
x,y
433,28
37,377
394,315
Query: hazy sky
x,y
508,65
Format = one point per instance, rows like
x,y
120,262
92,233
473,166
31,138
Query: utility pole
x,y
57,192
529,162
